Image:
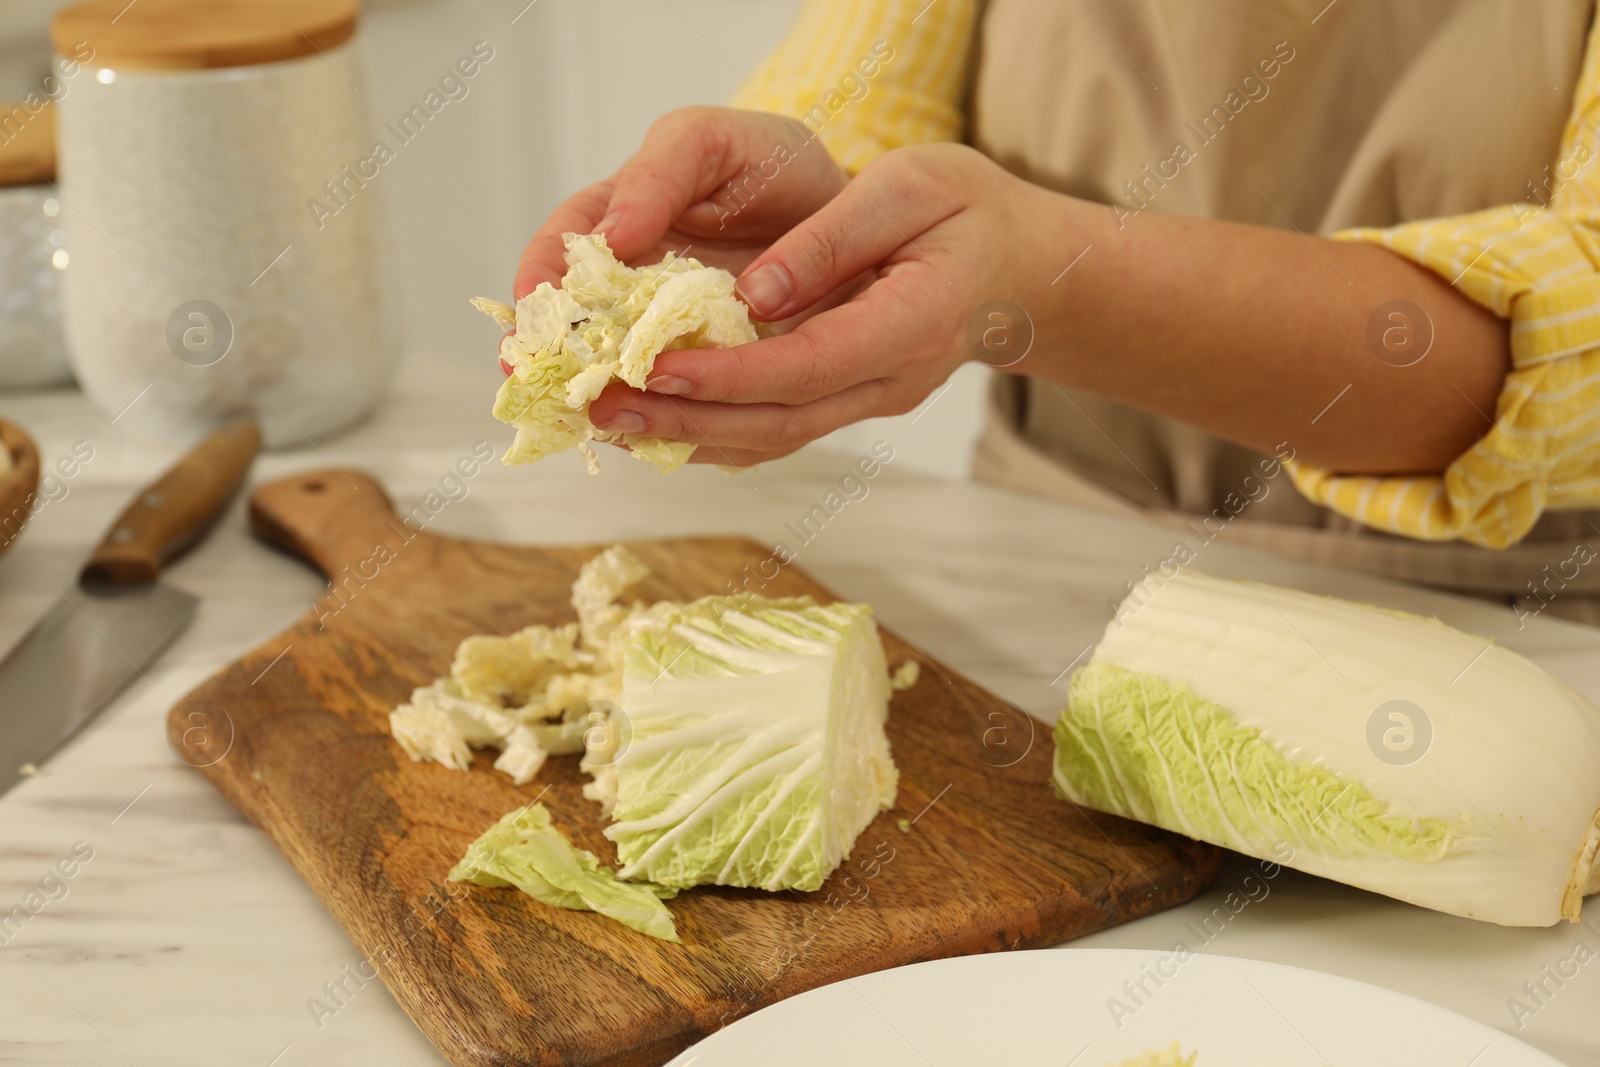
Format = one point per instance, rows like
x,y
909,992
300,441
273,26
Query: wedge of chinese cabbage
x,y
751,750
1380,749
607,322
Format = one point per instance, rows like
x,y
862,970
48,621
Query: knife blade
x,y
108,627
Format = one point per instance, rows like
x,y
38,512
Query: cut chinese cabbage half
x,y
607,322
1380,749
751,749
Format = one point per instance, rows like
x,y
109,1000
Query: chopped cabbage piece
x,y
564,738
502,691
607,322
524,850
504,315
426,732
512,671
522,756
905,676
602,580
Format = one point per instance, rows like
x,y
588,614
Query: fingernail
x,y
623,422
605,224
767,288
670,384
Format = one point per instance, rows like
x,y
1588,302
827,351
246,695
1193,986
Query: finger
x,y
544,260
888,205
782,175
868,338
681,162
824,354
838,298
734,427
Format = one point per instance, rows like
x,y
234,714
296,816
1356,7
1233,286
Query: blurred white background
x,y
568,95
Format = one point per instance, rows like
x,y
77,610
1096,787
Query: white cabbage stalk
x,y
1260,719
751,747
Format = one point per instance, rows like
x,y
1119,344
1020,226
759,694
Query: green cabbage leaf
x,y
524,850
1141,745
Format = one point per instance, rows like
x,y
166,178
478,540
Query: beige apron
x,y
1376,112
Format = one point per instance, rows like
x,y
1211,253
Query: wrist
x,y
1065,244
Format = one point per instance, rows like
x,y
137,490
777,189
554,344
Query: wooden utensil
x,y
977,855
18,484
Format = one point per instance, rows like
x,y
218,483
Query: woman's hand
x,y
720,183
913,246
1255,334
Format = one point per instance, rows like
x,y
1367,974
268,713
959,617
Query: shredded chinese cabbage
x,y
607,322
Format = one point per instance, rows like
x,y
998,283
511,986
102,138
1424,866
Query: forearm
x,y
1261,337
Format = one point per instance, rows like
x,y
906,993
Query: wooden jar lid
x,y
201,34
28,155
18,482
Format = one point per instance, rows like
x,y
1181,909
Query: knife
x,y
119,616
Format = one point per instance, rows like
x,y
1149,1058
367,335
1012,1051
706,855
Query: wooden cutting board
x,y
977,855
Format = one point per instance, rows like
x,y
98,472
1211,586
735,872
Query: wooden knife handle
x,y
172,514
329,518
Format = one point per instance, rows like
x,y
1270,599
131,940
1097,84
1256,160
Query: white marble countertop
x,y
187,939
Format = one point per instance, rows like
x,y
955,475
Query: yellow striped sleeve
x,y
870,76
1538,266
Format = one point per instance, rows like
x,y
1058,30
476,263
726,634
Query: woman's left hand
x,y
914,246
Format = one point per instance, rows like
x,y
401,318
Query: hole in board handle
x,y
316,486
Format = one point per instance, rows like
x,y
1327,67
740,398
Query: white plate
x,y
1058,1008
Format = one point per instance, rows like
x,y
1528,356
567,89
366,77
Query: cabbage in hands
x,y
1275,723
607,322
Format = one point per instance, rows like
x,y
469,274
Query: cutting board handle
x,y
329,518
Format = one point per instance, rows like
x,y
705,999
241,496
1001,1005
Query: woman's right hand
x,y
714,183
